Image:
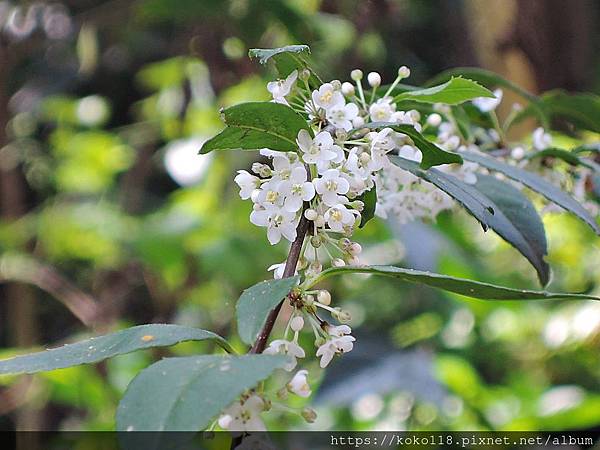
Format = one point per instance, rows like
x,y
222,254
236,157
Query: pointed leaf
x,y
535,183
476,204
256,302
462,286
257,125
432,154
517,222
453,92
186,394
103,347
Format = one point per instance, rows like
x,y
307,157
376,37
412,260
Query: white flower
x,y
329,185
278,222
381,143
296,190
541,139
410,152
338,217
342,115
269,195
280,88
327,97
382,110
247,183
318,150
283,347
340,342
299,384
244,415
487,104
283,165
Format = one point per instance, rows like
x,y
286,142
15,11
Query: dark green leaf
x,y
478,205
102,347
517,222
567,156
535,183
582,110
185,394
469,288
369,198
432,154
256,125
256,302
454,91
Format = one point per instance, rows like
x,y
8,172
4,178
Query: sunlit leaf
x,y
453,92
107,346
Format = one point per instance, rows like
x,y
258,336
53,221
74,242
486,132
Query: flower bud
x,y
343,316
297,323
434,120
309,300
414,115
310,214
353,261
358,122
341,134
304,74
354,249
337,84
316,241
347,89
320,221
324,298
374,79
356,74
364,158
337,262
403,72
315,268
517,153
309,414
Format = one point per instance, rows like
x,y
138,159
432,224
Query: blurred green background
x,y
107,208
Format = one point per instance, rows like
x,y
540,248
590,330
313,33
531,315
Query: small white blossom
x,y
342,115
278,222
327,97
299,384
338,217
283,347
339,343
247,183
382,110
541,139
319,149
281,88
487,104
330,185
244,415
296,190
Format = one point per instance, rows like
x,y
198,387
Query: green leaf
x,y
369,198
517,222
468,288
482,76
567,156
186,394
256,302
476,204
536,183
287,59
582,110
256,125
432,154
453,92
103,347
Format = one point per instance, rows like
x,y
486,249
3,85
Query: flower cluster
x,y
339,158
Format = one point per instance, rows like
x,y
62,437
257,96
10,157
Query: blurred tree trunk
x,y
19,298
